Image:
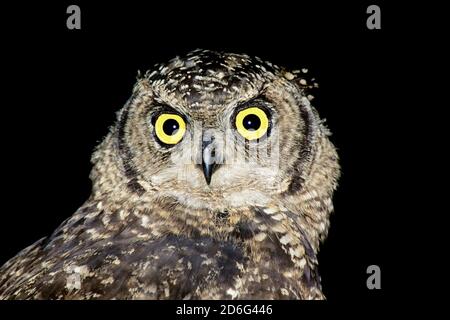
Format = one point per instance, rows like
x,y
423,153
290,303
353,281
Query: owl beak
x,y
208,159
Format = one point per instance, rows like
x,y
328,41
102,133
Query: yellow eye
x,y
252,123
170,128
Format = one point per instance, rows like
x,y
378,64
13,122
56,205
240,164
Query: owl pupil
x,y
170,126
251,122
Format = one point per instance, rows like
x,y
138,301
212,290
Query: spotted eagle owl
x,y
216,182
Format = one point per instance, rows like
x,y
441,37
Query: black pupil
x,y
251,122
170,126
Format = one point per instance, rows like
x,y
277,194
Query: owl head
x,y
216,131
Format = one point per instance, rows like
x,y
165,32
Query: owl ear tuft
x,y
139,75
302,79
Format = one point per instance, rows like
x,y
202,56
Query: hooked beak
x,y
208,159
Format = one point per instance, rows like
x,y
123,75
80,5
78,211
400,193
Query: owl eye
x,y
252,123
170,128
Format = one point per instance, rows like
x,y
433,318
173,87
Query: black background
x,y
61,89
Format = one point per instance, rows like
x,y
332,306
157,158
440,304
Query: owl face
x,y
214,131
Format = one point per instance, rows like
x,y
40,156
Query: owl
x,y
216,182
